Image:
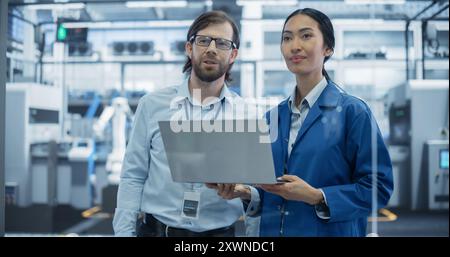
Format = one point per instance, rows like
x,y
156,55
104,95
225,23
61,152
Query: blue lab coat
x,y
333,151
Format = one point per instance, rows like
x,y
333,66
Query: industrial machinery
x,y
418,113
399,146
436,163
48,178
31,118
429,104
81,158
119,111
133,48
79,49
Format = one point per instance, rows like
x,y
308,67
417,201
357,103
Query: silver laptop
x,y
197,154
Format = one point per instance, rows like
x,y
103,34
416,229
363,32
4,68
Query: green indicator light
x,y
62,33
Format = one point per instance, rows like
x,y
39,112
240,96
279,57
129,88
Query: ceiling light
x,y
268,2
127,25
155,4
56,6
375,1
208,3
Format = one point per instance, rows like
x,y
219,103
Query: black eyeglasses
x,y
221,43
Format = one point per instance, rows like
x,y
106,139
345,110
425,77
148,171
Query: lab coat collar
x,y
330,95
311,97
329,98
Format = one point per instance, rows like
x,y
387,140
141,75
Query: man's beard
x,y
209,75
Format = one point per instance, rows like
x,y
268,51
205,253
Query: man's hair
x,y
203,21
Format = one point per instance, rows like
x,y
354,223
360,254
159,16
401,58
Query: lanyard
x,y
189,117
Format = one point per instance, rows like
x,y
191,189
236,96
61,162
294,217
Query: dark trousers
x,y
151,227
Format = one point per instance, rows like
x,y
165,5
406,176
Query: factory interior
x,y
74,72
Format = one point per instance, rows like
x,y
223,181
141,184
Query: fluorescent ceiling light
x,y
155,4
375,1
56,6
100,25
127,24
268,2
208,3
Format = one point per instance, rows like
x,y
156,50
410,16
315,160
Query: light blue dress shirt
x,y
146,184
299,115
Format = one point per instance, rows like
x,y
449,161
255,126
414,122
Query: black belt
x,y
161,229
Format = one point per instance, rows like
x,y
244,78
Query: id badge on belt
x,y
191,205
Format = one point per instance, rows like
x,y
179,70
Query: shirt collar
x,y
311,97
183,93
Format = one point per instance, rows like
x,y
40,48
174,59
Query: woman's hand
x,y
295,189
231,191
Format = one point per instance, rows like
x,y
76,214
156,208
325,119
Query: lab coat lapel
x,y
284,126
314,113
328,99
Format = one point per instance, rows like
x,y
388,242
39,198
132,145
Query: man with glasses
x,y
221,43
182,209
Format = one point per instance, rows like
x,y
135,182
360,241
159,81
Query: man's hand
x,y
231,191
295,189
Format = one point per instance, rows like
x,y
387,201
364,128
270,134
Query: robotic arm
x,y
118,112
100,125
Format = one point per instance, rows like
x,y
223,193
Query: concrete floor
x,y
415,224
407,224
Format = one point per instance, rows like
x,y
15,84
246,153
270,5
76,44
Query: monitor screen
x,y
399,125
443,159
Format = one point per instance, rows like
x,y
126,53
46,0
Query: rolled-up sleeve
x,y
134,173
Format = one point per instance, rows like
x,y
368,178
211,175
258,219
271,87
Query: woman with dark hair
x,y
329,150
